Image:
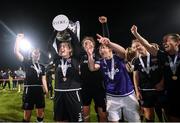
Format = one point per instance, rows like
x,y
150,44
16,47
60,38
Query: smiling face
x,y
65,50
171,42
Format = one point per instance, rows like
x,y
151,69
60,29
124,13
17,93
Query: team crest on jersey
x,y
69,65
116,71
85,61
153,68
104,67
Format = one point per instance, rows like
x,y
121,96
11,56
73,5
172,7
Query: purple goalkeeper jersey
x,y
116,78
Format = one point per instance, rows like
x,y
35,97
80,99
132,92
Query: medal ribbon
x,y
111,72
64,67
37,68
173,64
146,69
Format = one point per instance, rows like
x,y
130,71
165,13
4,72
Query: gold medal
x,y
174,77
64,79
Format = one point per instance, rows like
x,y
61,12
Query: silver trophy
x,y
61,23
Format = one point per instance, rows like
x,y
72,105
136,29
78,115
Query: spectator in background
x,y
6,79
1,78
20,76
14,82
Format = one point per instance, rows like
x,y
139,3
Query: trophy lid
x,y
60,22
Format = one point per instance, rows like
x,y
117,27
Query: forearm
x,y
75,43
118,49
91,64
136,81
160,86
105,30
150,48
44,82
17,50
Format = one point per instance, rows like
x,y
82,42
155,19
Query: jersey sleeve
x,y
75,45
96,59
43,70
135,64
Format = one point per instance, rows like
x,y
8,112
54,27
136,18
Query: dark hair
x,y
69,44
104,45
174,36
63,36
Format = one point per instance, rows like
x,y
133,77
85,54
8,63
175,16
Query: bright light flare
x,y
49,55
25,45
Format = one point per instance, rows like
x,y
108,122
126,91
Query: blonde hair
x,y
88,38
130,54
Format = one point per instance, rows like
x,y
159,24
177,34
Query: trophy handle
x,y
75,28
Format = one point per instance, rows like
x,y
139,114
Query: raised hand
x,y
20,36
103,19
89,51
17,47
103,40
134,29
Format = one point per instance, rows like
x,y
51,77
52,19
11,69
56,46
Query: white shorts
x,y
127,105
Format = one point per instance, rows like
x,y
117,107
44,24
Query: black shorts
x,y
67,106
149,99
161,99
33,96
97,94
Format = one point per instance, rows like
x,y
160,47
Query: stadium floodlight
x,y
25,45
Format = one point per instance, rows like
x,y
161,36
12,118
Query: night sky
x,y
154,19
